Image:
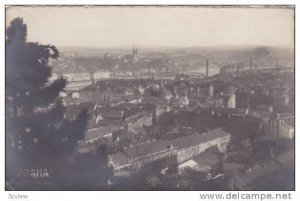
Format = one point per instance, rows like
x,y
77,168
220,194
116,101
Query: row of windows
x,y
157,157
122,171
182,155
194,151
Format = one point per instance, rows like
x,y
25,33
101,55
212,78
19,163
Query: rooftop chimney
x,y
206,67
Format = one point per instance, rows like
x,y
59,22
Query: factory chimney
x,y
250,68
276,69
206,67
237,72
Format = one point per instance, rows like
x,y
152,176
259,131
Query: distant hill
x,y
195,57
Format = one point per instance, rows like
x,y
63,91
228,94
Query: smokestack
x,y
206,67
250,68
92,78
276,70
237,71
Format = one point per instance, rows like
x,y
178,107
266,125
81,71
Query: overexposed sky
x,y
156,26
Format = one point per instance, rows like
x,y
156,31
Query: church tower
x,y
135,54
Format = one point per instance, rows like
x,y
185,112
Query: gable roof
x,y
112,113
119,158
101,132
146,149
193,140
139,151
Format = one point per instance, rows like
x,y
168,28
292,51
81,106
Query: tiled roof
x,y
142,150
119,158
101,132
237,111
132,153
146,149
195,139
112,114
137,116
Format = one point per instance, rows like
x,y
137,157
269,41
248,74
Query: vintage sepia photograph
x,y
150,98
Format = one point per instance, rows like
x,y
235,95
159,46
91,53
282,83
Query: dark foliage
x,y
36,131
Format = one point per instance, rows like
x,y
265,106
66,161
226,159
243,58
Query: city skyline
x,y
200,99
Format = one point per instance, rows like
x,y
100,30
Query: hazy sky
x,y
156,26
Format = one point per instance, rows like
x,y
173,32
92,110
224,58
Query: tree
x,y
36,130
89,170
